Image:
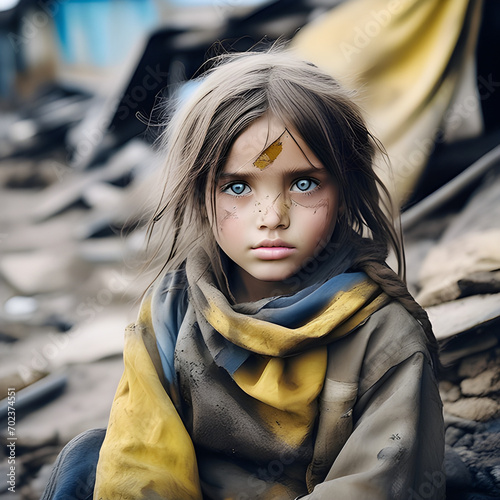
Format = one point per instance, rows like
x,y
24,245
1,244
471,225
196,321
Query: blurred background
x,y
84,86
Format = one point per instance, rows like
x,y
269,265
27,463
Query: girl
x,y
277,356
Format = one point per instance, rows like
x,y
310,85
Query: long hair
x,y
233,93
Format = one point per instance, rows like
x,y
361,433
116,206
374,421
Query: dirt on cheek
x,y
317,217
322,209
225,214
315,207
228,214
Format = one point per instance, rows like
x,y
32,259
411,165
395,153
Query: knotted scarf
x,y
274,349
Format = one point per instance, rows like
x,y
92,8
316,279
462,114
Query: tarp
x,y
408,60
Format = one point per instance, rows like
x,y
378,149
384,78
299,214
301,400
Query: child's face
x,y
275,210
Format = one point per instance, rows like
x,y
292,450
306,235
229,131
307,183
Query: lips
x,y
273,250
273,244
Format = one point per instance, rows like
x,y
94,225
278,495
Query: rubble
x,y
484,384
66,296
479,409
456,278
468,247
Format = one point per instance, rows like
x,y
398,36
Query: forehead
x,y
267,142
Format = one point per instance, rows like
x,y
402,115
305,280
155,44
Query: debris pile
x,y
454,262
71,244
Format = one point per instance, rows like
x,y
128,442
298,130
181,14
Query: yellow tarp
x,y
406,58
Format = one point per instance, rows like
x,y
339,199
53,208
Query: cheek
x,y
229,214
317,221
228,227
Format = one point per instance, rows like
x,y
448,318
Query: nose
x,y
274,213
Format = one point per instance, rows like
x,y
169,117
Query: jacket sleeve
x,y
395,447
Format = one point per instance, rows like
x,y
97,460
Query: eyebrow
x,y
294,171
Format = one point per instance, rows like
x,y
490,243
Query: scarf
x,y
275,350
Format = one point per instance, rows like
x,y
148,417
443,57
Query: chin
x,y
275,277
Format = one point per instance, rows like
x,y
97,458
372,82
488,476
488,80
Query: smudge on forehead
x,y
269,155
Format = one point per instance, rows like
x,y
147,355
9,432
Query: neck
x,y
245,288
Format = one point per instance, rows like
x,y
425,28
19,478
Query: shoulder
x,y
394,323
392,336
387,338
390,329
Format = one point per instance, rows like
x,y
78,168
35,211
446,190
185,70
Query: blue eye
x,y
304,185
236,189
